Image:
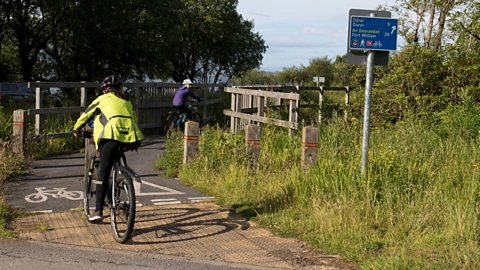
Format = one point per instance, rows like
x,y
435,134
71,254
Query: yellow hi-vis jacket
x,y
115,119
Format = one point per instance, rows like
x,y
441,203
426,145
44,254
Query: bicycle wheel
x,y
89,191
171,122
122,214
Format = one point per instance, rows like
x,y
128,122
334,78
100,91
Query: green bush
x,y
461,120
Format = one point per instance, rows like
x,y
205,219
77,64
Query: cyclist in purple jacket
x,y
180,98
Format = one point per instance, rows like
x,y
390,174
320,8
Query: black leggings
x,y
110,150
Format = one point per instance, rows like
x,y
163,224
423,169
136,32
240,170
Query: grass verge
x,y
419,207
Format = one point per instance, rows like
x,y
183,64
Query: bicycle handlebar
x,y
85,134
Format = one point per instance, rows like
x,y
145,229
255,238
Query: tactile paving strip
x,y
199,230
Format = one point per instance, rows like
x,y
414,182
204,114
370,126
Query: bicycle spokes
x,y
123,208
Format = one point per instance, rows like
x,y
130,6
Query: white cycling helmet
x,y
187,81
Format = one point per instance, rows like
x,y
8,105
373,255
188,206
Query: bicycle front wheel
x,y
122,214
171,121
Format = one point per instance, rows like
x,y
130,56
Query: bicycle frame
x,y
122,162
121,166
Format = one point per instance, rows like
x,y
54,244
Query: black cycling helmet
x,y
112,81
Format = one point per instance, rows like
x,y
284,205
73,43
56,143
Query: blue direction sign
x,y
372,33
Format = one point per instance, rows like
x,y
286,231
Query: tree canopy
x,y
71,40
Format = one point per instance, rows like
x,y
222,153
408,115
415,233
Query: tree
x,y
255,77
30,25
214,41
466,23
130,41
292,76
345,74
321,67
424,21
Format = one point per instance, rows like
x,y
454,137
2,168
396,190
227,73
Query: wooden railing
x,y
248,104
243,101
152,102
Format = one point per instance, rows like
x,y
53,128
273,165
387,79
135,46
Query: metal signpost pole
x,y
366,111
371,35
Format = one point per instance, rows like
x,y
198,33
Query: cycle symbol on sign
x,y
42,194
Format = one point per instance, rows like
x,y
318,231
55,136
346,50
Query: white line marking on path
x,y
167,191
41,211
165,201
200,199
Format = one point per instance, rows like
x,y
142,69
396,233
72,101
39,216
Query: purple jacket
x,y
180,97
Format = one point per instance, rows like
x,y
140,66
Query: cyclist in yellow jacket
x,y
115,130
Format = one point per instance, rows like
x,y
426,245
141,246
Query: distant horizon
x,y
298,31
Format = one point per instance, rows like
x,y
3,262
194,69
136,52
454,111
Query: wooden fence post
x,y
38,105
190,141
204,101
309,146
83,95
347,103
252,140
19,132
320,105
293,115
233,103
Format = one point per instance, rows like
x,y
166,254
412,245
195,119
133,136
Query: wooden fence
x,y
247,107
249,102
152,102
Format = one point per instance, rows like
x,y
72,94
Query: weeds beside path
x,y
10,165
418,208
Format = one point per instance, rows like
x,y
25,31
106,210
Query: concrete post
x,y
309,146
19,132
190,141
252,140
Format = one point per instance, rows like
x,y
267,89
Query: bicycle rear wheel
x,y
122,214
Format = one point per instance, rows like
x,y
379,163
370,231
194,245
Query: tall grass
x,y
418,208
9,165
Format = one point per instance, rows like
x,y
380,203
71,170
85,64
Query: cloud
x,y
313,31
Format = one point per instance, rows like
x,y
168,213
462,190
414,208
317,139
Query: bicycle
x,y
121,196
177,120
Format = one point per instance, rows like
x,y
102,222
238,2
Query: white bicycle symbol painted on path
x,y
42,194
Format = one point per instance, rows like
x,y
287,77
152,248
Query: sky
x,y
297,31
